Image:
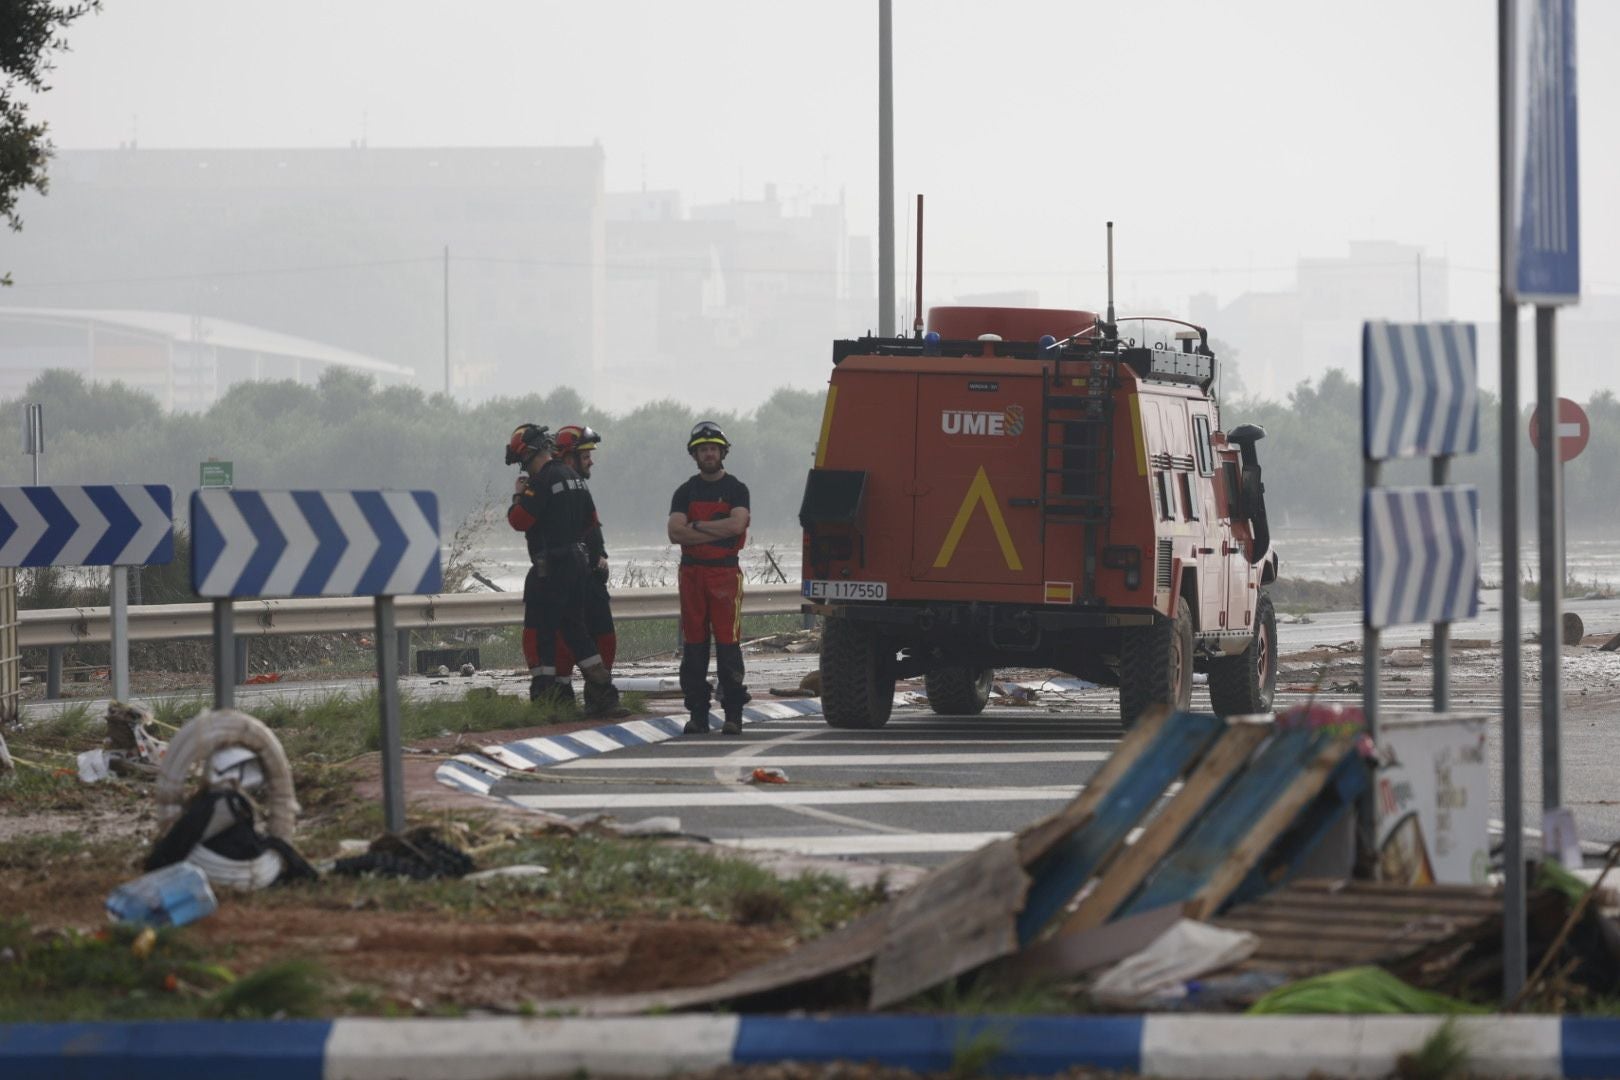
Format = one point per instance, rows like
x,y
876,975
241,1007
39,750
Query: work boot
x,y
733,724
546,690
602,702
698,725
597,673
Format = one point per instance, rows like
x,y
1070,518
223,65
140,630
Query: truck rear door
x,y
977,482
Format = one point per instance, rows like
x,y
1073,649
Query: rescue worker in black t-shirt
x,y
708,517
575,445
553,508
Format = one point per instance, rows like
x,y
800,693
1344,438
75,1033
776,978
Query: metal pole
x,y
403,639
447,320
1439,474
886,325
241,666
120,633
1366,806
224,655
1514,944
53,672
393,754
1549,514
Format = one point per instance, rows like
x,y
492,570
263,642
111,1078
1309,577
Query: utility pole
x,y
886,325
447,320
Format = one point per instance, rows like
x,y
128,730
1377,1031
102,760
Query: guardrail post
x,y
404,647
224,652
393,767
118,594
53,672
241,665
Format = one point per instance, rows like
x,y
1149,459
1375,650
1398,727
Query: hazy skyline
x,y
1226,141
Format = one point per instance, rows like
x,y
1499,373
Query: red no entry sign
x,y
1574,429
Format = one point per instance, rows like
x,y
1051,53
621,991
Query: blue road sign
x,y
314,543
86,525
1420,548
1420,393
1546,233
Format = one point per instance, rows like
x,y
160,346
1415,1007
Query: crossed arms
x,y
682,531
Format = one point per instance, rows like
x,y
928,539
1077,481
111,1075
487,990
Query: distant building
x,y
185,361
342,246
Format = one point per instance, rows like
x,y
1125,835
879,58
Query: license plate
x,y
846,590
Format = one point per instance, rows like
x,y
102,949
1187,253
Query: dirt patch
x,y
428,961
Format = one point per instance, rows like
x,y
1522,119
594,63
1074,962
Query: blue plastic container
x,y
173,896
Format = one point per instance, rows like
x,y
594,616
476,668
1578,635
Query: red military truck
x,y
1023,487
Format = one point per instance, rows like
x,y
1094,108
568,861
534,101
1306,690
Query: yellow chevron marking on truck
x,y
978,492
826,425
1136,433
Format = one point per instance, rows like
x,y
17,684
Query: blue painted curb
x,y
1203,1046
477,773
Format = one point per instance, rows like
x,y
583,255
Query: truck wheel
x,y
1156,666
1240,685
958,691
857,676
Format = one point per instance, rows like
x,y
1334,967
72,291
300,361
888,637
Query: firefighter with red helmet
x,y
575,446
708,517
553,508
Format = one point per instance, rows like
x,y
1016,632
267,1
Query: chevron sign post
x,y
1420,394
1422,551
115,525
319,543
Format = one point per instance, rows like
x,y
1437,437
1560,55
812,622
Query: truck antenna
x,y
917,320
1110,319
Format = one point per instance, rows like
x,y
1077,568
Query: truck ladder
x,y
1077,451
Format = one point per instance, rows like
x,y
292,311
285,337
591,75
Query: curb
x,y
477,773
1203,1047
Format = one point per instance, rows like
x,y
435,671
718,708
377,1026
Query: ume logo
x,y
966,422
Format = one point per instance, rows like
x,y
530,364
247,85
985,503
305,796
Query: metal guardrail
x,y
264,618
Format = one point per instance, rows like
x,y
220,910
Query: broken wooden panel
x,y
1126,873
954,921
1122,801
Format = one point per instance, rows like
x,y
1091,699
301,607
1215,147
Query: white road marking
x,y
786,796
887,844
788,761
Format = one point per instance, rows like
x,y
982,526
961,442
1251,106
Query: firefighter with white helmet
x,y
708,517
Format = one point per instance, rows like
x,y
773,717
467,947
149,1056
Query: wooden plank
x,y
1344,953
1127,872
1411,931
1330,903
1388,888
952,921
1209,843
1070,955
1130,797
1036,841
1278,816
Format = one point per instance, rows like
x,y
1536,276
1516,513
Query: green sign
x,y
215,474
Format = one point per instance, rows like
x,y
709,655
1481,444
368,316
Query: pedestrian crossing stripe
x,y
477,773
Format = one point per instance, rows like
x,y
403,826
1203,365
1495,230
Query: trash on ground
x,y
1065,684
664,825
262,678
172,896
132,747
420,854
468,671
1162,970
768,776
518,870
1011,693
1358,990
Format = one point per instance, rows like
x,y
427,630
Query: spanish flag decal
x,y
978,492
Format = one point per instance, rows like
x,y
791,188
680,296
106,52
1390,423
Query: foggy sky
x,y
1226,140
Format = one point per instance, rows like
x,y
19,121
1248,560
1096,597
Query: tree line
x,y
347,433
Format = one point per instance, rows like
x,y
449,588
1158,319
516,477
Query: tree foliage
x,y
30,32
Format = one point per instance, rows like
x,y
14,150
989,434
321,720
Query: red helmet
x,y
526,441
576,437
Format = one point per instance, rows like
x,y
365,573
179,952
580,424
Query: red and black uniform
x,y
598,610
711,596
554,512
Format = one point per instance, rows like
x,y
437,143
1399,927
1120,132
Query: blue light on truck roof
x,y
931,343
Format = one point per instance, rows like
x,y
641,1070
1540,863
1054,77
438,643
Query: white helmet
x,y
235,766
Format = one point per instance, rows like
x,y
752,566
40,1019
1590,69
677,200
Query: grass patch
x,y
1574,589
286,988
1443,1056
984,995
70,975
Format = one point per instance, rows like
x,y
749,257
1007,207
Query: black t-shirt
x,y
554,511
711,500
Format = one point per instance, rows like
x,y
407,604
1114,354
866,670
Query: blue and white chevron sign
x,y
1419,390
1420,547
88,525
314,543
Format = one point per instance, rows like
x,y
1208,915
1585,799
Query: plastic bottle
x,y
1239,989
173,896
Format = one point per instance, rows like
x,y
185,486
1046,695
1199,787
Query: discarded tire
x,y
958,691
